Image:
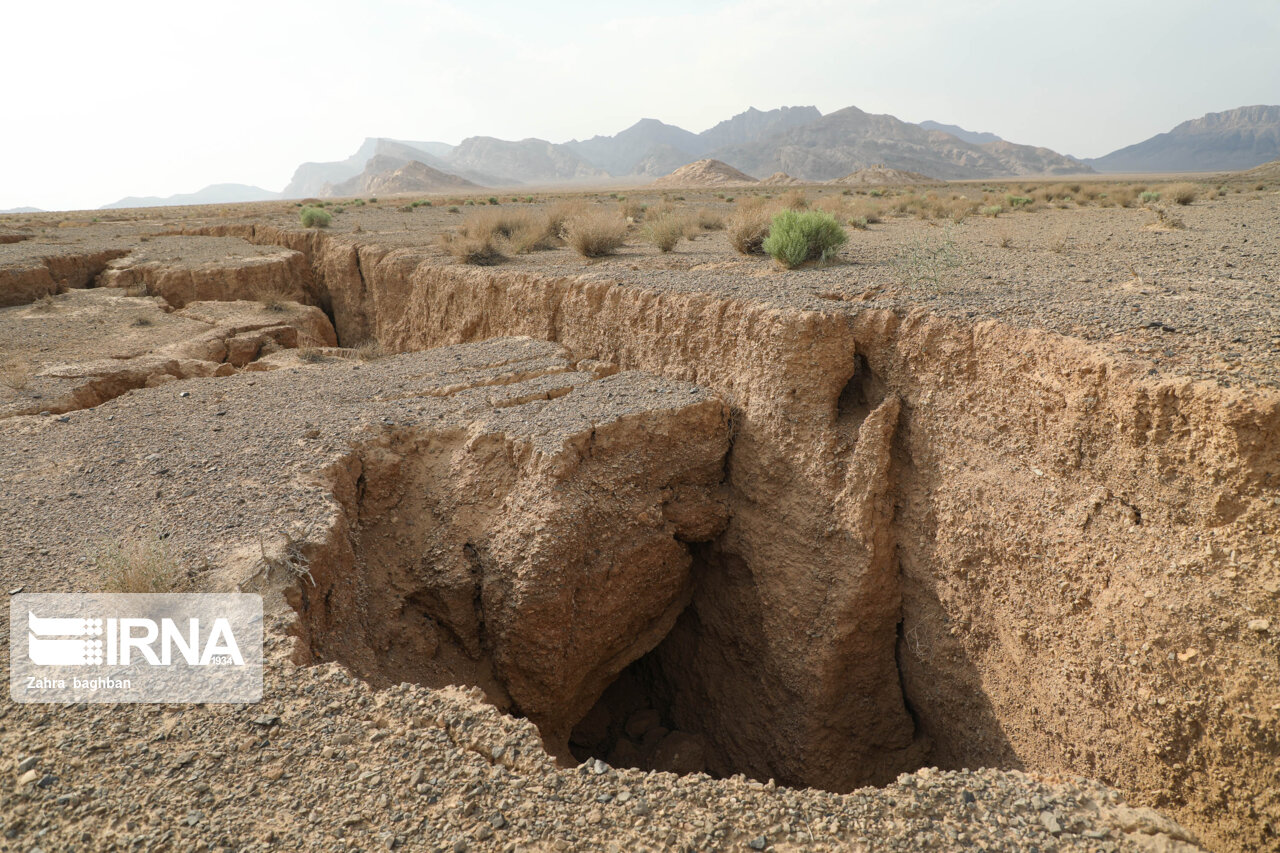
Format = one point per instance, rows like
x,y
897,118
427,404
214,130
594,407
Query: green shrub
x,y
992,210
493,199
1017,201
1149,196
314,217
799,236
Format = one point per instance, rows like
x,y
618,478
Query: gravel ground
x,y
325,763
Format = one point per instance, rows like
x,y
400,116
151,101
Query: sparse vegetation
x,y
595,233
1166,220
796,237
271,296
748,226
314,217
1183,193
665,231
927,260
992,210
1149,197
142,565
794,199
477,251
481,237
371,349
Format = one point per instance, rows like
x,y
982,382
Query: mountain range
x,y
800,141
212,194
1228,141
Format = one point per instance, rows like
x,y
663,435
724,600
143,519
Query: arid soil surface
x,y
995,493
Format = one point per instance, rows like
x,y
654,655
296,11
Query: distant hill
x,y
1236,139
387,175
850,139
621,153
973,137
309,179
525,161
1265,172
650,147
755,125
212,194
705,173
882,176
22,210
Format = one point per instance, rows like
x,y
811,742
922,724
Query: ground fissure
x,y
702,527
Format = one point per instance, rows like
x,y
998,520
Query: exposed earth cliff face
x,y
864,537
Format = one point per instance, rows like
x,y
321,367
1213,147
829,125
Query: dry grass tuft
x,y
794,199
631,209
140,565
748,225
561,212
1182,193
708,220
44,303
595,233
271,296
665,231
370,349
478,251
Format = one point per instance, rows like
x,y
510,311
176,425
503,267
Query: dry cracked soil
x,y
965,539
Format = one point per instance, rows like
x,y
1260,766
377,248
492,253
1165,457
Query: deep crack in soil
x,y
705,527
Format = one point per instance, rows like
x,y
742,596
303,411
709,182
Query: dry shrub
x,y
1090,192
1165,220
1182,193
748,225
44,303
271,295
794,200
957,209
662,210
868,210
16,375
480,239
371,349
561,212
631,209
836,205
708,220
665,231
477,251
140,565
595,233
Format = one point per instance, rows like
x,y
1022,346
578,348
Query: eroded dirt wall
x,y
1003,548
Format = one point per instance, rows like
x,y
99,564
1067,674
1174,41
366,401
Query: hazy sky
x,y
104,100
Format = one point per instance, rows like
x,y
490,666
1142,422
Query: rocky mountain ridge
x,y
1235,139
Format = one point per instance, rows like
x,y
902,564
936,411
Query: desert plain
x,y
965,536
